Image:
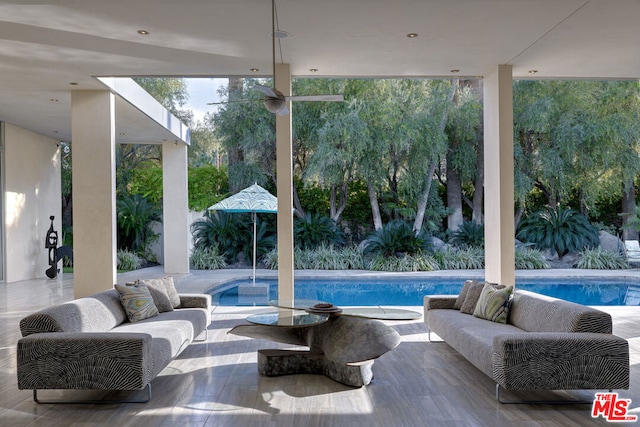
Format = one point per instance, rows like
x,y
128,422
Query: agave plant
x,y
316,230
469,233
396,237
560,229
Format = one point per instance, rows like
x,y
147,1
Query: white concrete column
x,y
498,178
284,176
94,196
175,205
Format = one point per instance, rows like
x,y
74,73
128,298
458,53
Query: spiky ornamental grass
x,y
207,259
127,261
530,259
599,259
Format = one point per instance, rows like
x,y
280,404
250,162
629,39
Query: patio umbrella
x,y
254,199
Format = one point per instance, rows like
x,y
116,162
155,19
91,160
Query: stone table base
x,y
275,363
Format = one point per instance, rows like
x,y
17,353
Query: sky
x,y
201,91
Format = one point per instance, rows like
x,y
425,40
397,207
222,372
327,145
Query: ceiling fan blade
x,y
335,98
232,102
267,91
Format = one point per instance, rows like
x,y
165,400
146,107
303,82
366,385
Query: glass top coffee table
x,y
381,313
343,343
288,318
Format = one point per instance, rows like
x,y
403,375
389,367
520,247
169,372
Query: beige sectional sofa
x,y
545,344
90,343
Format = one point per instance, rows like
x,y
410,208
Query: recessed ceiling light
x,y
73,84
143,32
455,70
54,100
255,70
279,34
313,70
412,35
533,71
54,131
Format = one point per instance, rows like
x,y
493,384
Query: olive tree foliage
x,y
246,130
575,139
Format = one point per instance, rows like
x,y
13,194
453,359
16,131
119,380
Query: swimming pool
x,y
410,292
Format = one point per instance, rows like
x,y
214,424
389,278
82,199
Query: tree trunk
x,y
375,208
426,189
628,210
454,198
337,207
235,154
299,211
478,194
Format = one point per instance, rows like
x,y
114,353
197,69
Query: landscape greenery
x,y
391,179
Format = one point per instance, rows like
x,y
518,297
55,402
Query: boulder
x,y
609,242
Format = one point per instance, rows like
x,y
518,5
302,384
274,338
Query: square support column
x,y
94,191
284,182
175,205
499,186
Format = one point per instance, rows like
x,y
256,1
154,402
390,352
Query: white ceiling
x,y
45,47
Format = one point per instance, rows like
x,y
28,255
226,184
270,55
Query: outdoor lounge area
x,y
216,382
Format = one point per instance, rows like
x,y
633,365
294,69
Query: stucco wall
x,y
32,194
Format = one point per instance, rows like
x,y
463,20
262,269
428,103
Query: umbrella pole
x,y
254,248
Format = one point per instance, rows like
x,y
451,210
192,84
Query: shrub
x,y
325,257
469,234
316,230
128,261
396,237
468,258
406,263
599,259
229,232
530,259
207,259
135,214
563,230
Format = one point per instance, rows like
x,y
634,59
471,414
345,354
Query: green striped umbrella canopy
x,y
251,199
254,199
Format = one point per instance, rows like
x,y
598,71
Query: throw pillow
x,y
158,293
463,293
494,303
169,288
471,298
137,302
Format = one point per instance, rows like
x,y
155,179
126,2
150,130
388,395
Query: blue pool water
x,y
394,291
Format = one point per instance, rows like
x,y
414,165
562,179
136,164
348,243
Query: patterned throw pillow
x,y
137,302
169,288
494,303
158,293
463,293
471,298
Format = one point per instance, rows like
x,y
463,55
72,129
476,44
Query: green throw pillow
x,y
494,303
137,302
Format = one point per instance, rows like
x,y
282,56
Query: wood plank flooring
x,y
215,383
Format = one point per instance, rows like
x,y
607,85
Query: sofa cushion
x,y
96,313
169,288
171,331
137,302
494,303
471,298
534,312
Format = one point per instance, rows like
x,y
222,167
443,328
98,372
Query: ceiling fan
x,y
274,100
